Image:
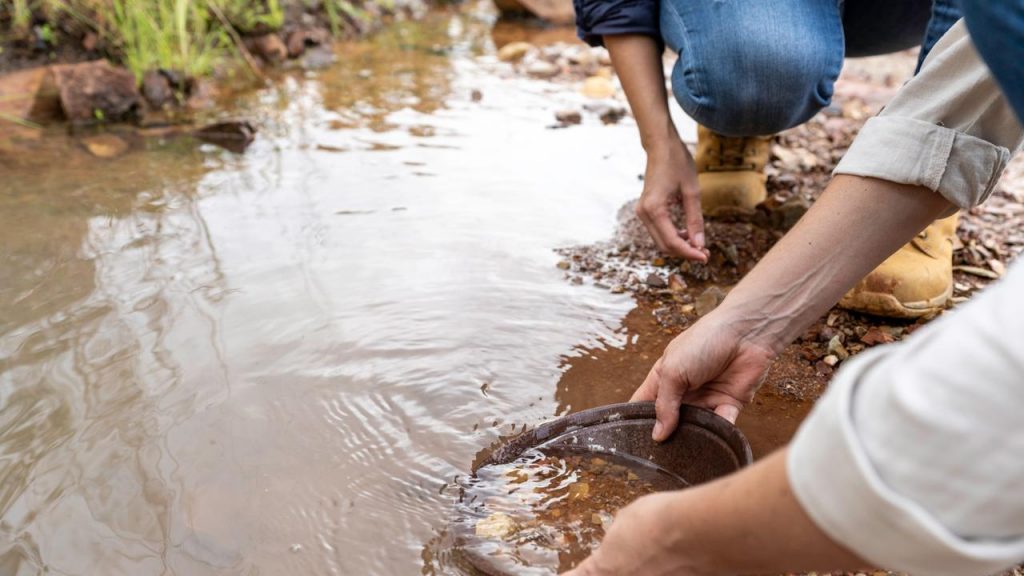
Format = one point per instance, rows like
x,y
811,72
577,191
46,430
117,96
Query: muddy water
x,y
273,363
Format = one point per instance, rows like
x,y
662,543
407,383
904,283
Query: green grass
x,y
171,34
340,10
191,36
249,16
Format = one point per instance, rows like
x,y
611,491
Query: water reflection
x,y
273,363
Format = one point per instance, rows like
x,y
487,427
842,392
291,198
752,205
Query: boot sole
x,y
730,212
888,306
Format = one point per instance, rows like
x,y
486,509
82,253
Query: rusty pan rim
x,y
512,448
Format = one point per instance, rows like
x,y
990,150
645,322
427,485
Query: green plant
x,y
336,9
172,34
253,15
21,16
47,35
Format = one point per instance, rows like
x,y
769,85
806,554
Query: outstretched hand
x,y
709,365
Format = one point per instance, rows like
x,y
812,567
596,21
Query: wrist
x,y
755,323
685,521
662,139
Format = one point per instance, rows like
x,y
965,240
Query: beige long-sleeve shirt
x,y
914,459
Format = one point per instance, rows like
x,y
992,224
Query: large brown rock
x,y
93,91
268,47
30,95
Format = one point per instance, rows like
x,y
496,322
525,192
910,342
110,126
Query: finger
x,y
648,391
728,411
643,212
666,407
722,403
669,235
694,218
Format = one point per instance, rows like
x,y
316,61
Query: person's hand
x,y
671,175
641,542
709,365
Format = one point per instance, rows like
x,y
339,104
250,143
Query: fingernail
x,y
698,239
657,431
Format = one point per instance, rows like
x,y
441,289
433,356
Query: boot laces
x,y
733,154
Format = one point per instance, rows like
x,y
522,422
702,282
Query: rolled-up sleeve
x,y
950,129
914,459
597,18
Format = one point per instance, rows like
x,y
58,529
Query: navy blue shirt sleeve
x,y
596,18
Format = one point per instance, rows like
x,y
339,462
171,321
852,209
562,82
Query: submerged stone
x,y
105,145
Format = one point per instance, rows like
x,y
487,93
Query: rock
x,y
268,47
821,368
318,58
497,526
96,91
179,81
732,254
476,95
156,89
296,43
835,347
826,333
201,95
787,214
656,281
612,114
563,265
618,289
569,117
543,69
30,95
235,135
876,335
300,39
787,159
676,283
105,145
598,87
91,41
709,300
514,51
830,360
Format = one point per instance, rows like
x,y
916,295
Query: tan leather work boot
x,y
730,172
915,281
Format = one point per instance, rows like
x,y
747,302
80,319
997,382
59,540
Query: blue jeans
x,y
997,30
753,67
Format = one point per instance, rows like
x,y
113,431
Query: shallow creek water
x,y
545,512
273,363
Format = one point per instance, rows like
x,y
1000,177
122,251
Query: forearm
x,y
751,523
854,226
637,62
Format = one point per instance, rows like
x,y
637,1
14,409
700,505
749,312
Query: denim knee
x,y
756,86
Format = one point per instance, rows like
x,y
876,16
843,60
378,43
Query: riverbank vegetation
x,y
189,36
